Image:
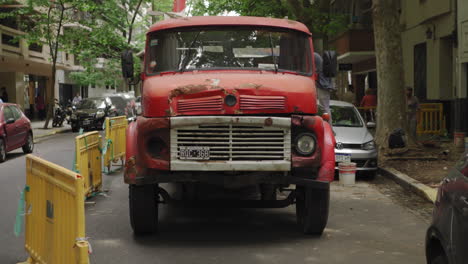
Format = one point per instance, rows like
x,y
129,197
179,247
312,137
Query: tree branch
x,y
133,21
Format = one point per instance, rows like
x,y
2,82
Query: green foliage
x,y
316,15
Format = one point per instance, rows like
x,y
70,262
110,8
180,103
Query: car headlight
x,y
305,144
100,114
369,145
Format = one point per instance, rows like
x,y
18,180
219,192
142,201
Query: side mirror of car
x,y
10,121
326,117
370,124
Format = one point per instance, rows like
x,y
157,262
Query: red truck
x,y
229,102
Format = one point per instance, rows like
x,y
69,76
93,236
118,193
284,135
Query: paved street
x,y
369,223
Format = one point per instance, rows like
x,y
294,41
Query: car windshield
x,y
247,48
119,102
92,103
345,116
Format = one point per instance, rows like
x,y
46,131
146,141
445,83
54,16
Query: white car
x,y
354,142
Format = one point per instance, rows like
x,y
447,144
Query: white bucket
x,y
347,173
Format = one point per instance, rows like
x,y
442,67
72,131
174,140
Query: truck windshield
x,y
246,48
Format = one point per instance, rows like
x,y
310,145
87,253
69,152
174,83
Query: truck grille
x,y
233,139
253,102
213,103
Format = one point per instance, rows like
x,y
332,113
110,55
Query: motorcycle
x,y
69,112
59,115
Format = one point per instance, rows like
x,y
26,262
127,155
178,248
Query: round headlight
x,y
230,100
305,143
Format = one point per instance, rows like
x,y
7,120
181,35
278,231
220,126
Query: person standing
x,y
324,85
412,110
369,101
26,102
76,99
4,95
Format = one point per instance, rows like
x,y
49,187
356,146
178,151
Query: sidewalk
x,y
40,132
422,170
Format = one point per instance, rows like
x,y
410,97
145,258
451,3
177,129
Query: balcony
x,y
354,45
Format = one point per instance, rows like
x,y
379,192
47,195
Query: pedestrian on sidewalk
x,y
412,111
26,102
76,99
40,105
370,102
324,85
4,95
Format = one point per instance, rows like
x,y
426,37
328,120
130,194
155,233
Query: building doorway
x,y
420,71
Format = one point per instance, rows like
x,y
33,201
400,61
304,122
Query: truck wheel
x,y
143,209
312,209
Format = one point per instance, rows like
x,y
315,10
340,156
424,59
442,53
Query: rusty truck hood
x,y
199,93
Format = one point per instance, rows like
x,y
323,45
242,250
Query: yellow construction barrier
x,y
55,214
431,119
115,145
88,161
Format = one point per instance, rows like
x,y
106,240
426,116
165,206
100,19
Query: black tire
x,y
75,127
28,147
441,259
143,209
2,151
312,207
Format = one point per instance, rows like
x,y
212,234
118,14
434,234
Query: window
x,y
35,47
345,116
10,40
7,113
112,87
245,48
16,112
107,87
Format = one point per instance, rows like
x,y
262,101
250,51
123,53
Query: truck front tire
x,y
143,205
312,209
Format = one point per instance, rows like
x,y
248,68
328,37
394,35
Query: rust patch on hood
x,y
188,89
249,85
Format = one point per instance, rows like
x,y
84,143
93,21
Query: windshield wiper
x,y
185,61
273,53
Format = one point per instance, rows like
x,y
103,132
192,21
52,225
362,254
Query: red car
x,y
15,130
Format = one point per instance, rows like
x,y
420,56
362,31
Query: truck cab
x,y
229,102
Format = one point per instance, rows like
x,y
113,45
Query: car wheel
x,y
312,209
441,259
28,147
2,150
143,209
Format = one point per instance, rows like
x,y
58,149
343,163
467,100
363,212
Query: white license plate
x,y
194,153
342,157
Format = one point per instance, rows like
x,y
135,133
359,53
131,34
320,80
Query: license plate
x,y
342,157
86,122
194,153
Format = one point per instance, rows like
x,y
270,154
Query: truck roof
x,y
228,21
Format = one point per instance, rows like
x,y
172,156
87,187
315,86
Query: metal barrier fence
x,y
431,119
88,161
115,144
55,214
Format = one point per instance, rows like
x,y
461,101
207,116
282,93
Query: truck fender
x,y
327,168
131,141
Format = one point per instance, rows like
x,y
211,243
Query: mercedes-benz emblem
x,y
339,145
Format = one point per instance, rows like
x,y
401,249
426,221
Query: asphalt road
x,y
372,222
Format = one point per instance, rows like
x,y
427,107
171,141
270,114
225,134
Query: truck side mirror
x,y
127,64
330,63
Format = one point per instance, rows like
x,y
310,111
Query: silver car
x,y
353,141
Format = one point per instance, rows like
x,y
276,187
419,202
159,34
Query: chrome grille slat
x,y
255,102
233,140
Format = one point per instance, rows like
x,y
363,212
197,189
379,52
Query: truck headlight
x,y
100,114
368,145
305,144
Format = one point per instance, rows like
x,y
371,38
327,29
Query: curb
x,y
426,192
58,131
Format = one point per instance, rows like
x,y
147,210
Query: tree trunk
x,y
391,107
50,97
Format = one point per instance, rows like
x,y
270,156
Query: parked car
x,y
447,236
124,106
92,112
15,130
354,142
